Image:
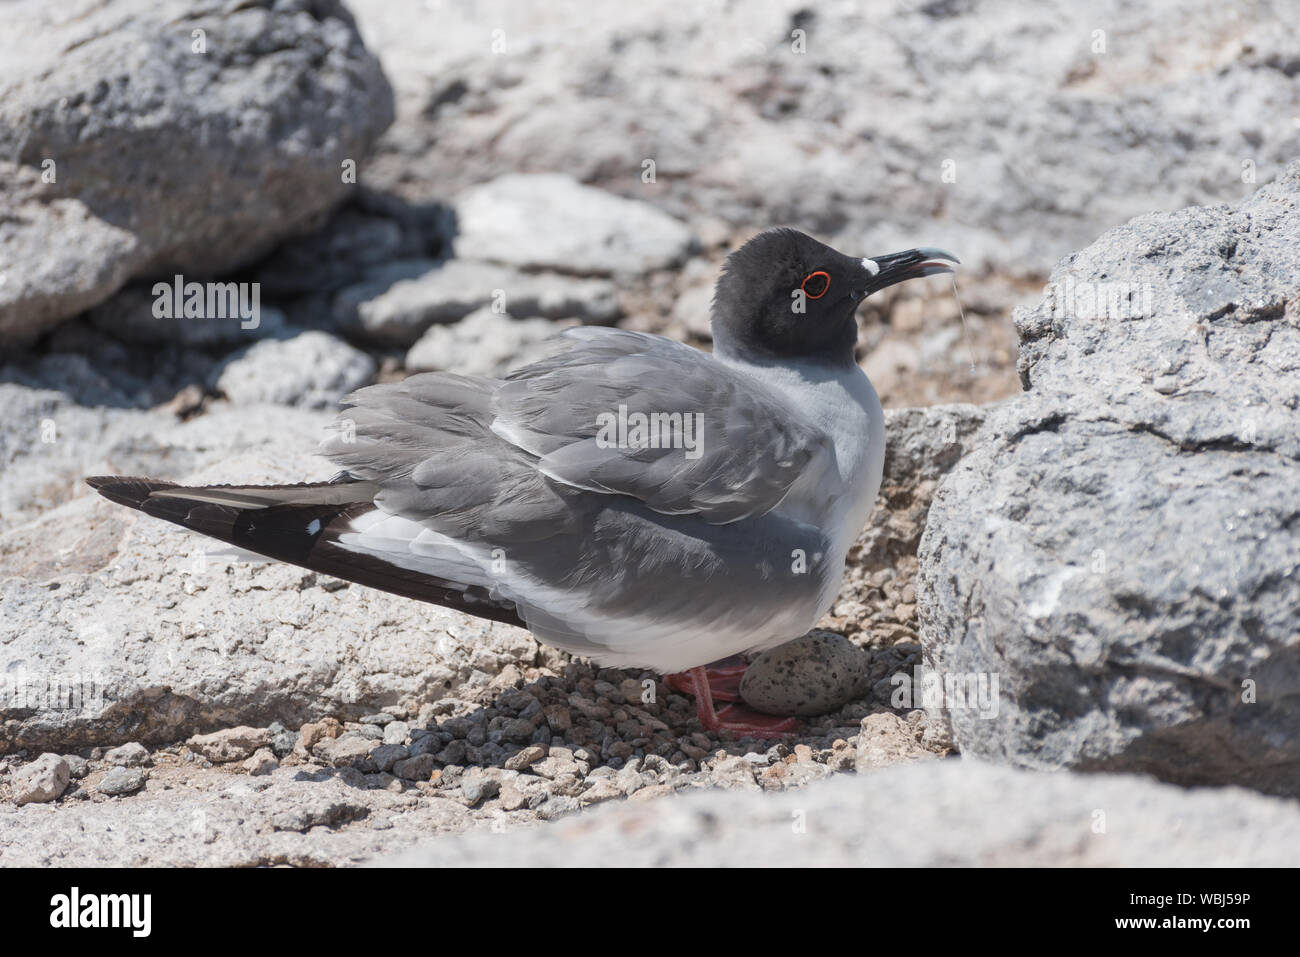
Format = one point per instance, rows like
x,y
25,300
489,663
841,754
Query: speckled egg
x,y
814,674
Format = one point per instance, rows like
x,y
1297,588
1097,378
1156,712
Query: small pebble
x,y
262,762
121,781
396,732
476,790
132,755
44,779
417,768
525,758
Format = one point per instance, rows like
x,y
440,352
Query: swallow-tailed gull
x,y
628,498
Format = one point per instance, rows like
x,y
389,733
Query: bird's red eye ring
x,y
815,284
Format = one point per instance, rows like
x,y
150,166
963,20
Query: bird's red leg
x,y
735,718
698,681
723,678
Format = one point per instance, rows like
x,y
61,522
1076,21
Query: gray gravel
x,y
495,766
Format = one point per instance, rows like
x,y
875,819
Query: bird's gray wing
x,y
426,443
749,446
515,460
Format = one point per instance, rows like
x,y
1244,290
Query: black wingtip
x,y
293,533
127,490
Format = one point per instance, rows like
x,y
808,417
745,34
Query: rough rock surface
x,y
852,127
484,343
243,141
397,307
846,118
44,779
49,442
931,813
128,317
551,221
936,813
310,369
886,738
1122,547
512,755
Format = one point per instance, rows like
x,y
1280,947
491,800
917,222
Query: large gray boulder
x,y
141,137
1122,548
48,441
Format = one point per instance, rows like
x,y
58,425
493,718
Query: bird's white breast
x,y
843,403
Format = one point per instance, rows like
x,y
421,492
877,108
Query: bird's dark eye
x,y
815,284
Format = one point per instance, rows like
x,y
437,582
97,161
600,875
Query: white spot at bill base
x,y
870,265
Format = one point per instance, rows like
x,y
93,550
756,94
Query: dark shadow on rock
x,y
138,349
374,228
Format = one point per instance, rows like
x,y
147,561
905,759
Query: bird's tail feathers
x,y
299,524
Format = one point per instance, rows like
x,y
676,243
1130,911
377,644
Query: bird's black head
x,y
784,295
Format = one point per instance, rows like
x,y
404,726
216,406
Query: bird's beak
x,y
882,271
